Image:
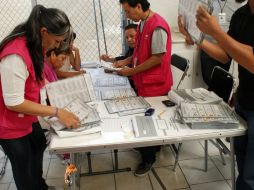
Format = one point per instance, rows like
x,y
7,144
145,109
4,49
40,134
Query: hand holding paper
x,y
207,23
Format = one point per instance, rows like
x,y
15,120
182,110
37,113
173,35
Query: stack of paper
x,y
90,64
111,81
89,117
197,95
127,106
61,93
208,116
117,93
109,66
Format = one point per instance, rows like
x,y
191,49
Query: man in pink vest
x,y
151,70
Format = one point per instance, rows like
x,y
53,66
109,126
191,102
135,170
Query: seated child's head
x,y
57,56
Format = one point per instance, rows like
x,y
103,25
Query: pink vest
x,y
49,72
14,124
158,80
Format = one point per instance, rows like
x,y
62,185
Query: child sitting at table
x,y
54,61
72,61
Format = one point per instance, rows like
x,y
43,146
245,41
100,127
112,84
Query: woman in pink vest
x,y
21,71
151,70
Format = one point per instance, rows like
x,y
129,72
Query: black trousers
x,y
148,154
26,157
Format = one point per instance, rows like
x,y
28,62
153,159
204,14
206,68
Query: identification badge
x,y
222,18
135,62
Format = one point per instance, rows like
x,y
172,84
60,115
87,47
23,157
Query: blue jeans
x,y
244,150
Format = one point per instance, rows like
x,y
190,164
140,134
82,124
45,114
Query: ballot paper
x,y
90,64
188,10
117,93
89,117
80,109
208,116
111,81
196,95
129,105
62,92
109,66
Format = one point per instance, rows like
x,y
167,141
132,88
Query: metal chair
x,y
182,64
222,84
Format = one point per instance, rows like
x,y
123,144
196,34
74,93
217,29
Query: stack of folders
x,y
208,116
127,106
89,117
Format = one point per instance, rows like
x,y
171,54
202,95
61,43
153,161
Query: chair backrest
x,y
180,63
221,83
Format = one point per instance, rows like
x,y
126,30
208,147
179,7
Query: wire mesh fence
x,y
89,22
97,23
13,13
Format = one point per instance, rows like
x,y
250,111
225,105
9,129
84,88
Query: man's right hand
x,y
105,57
120,63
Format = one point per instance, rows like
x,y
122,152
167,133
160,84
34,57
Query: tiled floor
x,y
189,174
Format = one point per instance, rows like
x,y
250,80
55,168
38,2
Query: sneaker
x,y
143,169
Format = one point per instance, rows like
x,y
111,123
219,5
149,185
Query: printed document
x,y
111,81
64,91
109,66
210,116
188,10
197,95
127,104
117,93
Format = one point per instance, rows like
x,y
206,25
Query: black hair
x,y
131,26
56,22
133,3
74,36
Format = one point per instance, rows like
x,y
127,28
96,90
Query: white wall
x,y
168,9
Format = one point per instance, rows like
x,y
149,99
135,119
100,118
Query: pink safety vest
x,y
158,80
13,124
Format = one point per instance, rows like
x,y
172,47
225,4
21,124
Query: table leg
x,y
75,177
232,157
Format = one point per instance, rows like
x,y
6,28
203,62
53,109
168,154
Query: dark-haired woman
x,y
21,71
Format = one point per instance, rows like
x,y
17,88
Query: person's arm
x,y
212,49
241,53
32,108
75,60
106,58
68,74
122,63
158,49
153,61
14,74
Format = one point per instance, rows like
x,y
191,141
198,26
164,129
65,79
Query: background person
x,y
72,61
151,70
130,32
237,44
